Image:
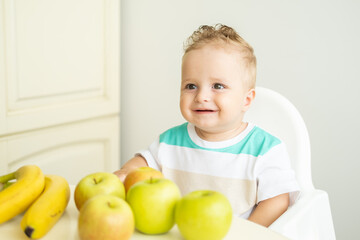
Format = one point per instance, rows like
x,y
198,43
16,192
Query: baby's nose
x,y
203,95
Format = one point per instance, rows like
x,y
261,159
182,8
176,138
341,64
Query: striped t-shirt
x,y
249,168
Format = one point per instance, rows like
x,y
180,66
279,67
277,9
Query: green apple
x,y
203,215
98,183
153,202
140,174
106,217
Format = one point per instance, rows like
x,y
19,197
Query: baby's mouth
x,y
204,110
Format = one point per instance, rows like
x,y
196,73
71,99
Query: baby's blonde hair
x,y
223,35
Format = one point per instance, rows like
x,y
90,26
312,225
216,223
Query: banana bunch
x,y
17,197
44,196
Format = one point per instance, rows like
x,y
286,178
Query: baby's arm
x,y
133,163
267,211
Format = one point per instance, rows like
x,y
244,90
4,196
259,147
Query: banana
x,y
17,197
48,208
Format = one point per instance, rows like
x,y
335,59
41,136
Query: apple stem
x,y
110,205
208,194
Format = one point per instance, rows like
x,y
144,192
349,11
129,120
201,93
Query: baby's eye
x,y
190,86
218,86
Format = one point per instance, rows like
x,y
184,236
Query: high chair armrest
x,y
309,218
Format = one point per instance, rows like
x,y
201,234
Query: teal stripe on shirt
x,y
256,143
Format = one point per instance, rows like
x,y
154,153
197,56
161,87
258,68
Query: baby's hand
x,y
121,174
133,163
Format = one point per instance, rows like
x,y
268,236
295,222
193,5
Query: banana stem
x,y
3,186
8,184
7,177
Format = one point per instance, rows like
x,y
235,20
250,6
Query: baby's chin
x,y
208,130
219,133
206,127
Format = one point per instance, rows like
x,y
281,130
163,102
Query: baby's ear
x,y
249,98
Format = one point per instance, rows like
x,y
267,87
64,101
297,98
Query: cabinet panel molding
x,y
72,161
72,150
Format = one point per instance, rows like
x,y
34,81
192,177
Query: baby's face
x,y
213,96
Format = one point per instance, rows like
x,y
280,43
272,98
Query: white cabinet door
x,y
60,61
70,150
59,70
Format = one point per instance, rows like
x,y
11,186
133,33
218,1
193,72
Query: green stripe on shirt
x,y
256,143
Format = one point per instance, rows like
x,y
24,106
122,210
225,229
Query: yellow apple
x,y
105,217
140,174
95,184
153,203
203,215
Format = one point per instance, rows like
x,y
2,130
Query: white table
x,y
66,228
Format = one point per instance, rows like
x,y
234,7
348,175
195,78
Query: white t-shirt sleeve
x,y
151,155
275,175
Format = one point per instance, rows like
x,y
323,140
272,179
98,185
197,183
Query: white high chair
x,y
310,217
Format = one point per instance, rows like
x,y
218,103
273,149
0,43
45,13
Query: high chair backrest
x,y
277,115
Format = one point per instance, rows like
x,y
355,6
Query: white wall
x,y
306,50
